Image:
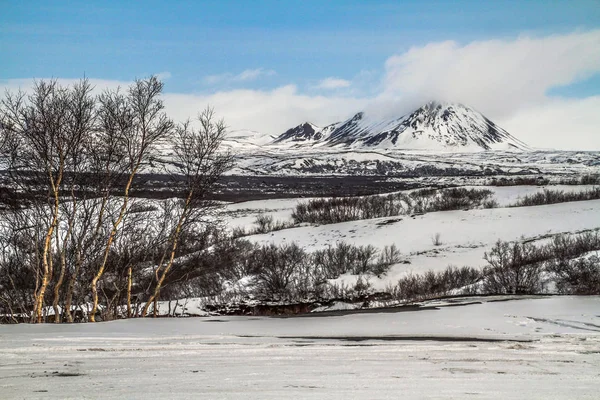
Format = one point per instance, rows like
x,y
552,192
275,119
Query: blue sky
x,y
302,41
310,55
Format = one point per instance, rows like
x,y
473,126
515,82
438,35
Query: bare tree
x,y
44,131
81,114
200,162
72,159
141,123
103,168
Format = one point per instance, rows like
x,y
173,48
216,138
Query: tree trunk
x,y
46,254
176,234
129,281
79,258
109,243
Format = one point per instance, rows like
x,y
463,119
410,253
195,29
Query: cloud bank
x,y
509,81
272,111
496,76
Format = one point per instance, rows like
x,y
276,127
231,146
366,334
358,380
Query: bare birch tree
x,y
140,121
45,130
69,228
201,163
81,114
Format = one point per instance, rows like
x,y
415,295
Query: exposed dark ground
x,y
244,188
239,188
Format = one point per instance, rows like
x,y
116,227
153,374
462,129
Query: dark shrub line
x,y
588,179
419,287
550,196
265,223
514,268
288,273
343,209
280,272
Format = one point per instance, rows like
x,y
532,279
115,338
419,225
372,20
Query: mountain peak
x,y
306,132
300,133
435,125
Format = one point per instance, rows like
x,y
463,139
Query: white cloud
x,y
569,124
269,111
498,77
507,80
333,83
244,76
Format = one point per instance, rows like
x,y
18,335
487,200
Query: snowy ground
x,y
544,348
244,214
299,161
465,235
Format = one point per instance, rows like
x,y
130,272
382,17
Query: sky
x,y
531,66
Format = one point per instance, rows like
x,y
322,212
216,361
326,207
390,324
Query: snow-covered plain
x,y
456,167
465,235
243,214
539,348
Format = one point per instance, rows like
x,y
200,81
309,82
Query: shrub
x,y
565,247
520,181
579,277
490,204
514,268
277,272
450,199
141,207
549,196
345,258
390,255
590,179
418,287
517,268
275,269
264,223
342,209
238,232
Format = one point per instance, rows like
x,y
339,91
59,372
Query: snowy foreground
x,y
538,348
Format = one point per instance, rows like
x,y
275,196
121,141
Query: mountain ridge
x,y
433,126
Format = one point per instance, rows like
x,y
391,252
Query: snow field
x,y
549,348
465,235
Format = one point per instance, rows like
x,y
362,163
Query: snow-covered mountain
x,y
306,133
245,138
434,126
